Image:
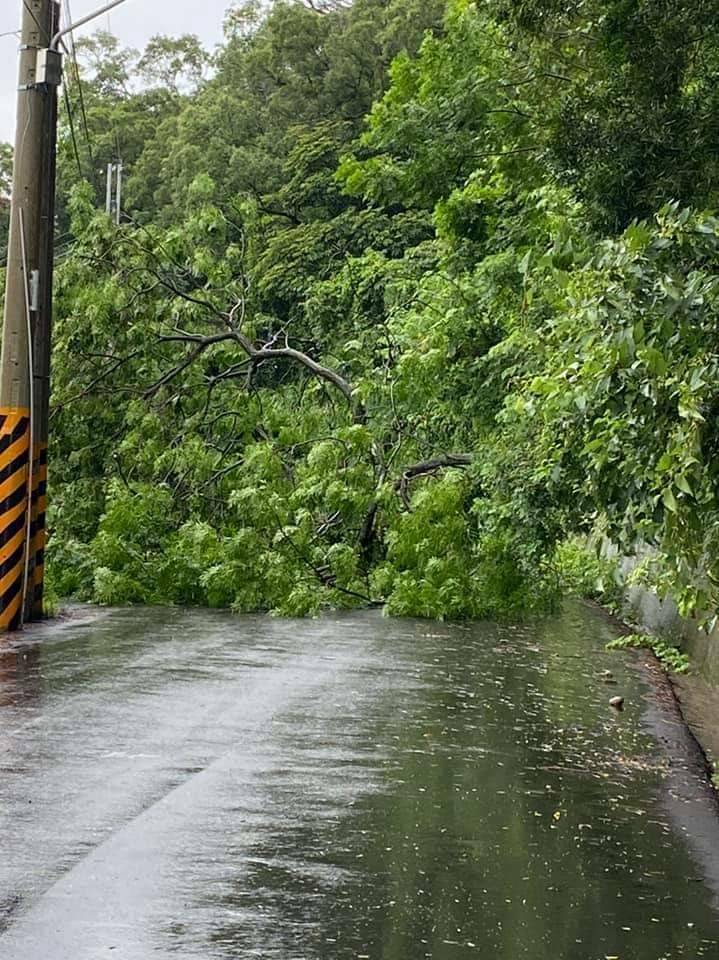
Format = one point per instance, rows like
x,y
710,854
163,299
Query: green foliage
x,y
6,154
436,567
622,380
629,95
415,298
669,656
584,572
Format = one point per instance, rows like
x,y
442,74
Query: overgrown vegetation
x,y
408,294
670,657
583,571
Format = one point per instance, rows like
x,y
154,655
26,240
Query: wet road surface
x,y
184,783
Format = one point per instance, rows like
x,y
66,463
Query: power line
x,y
79,83
68,108
81,95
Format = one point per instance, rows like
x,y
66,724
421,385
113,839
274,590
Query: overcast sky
x,y
134,23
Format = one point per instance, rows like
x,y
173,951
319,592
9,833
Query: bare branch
x,y
289,353
326,6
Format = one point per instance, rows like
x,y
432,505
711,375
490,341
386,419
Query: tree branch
x,y
115,365
259,354
427,468
202,344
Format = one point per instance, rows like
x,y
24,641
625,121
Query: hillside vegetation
x,y
408,295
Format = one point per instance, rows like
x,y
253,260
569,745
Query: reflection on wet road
x,y
184,783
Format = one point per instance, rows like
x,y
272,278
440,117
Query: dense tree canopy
x,y
407,295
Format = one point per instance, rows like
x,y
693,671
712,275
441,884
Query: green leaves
x,y
671,658
669,500
446,235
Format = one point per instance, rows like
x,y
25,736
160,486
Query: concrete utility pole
x,y
42,341
26,323
27,329
113,192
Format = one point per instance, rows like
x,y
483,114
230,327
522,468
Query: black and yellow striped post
x,y
41,352
22,477
14,473
35,588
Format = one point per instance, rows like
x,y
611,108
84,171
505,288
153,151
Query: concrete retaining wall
x,y
661,618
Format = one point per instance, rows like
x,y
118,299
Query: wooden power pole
x,y
25,362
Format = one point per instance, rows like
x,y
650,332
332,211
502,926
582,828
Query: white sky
x,y
134,23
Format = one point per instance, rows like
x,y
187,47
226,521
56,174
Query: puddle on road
x,y
449,792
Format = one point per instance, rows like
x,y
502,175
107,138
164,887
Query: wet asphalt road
x,y
184,783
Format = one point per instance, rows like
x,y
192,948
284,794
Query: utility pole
x,y
118,194
113,191
108,190
22,310
42,342
27,328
